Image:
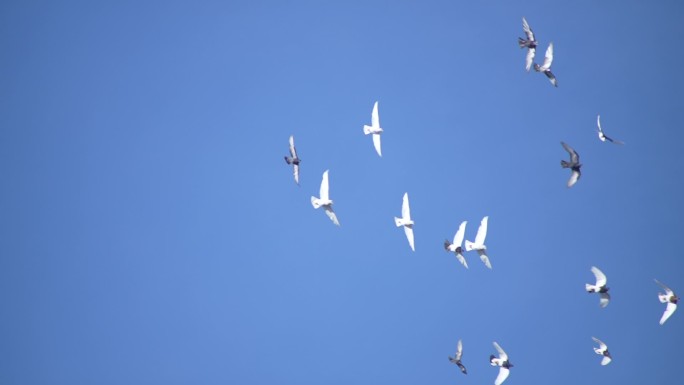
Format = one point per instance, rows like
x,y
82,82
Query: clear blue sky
x,y
151,233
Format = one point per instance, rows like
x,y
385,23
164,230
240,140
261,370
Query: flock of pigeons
x,y
478,244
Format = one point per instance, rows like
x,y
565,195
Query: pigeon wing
x,y
529,58
528,30
324,187
604,299
574,156
458,237
601,279
296,173
606,360
331,214
574,177
601,344
461,259
405,209
459,350
376,144
293,150
502,355
667,289
671,307
484,258
375,117
409,235
548,58
552,78
482,231
503,375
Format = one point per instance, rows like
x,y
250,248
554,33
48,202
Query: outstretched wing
x,y
502,355
375,117
376,144
671,307
601,279
458,237
461,259
529,58
574,177
574,156
459,350
296,173
503,375
668,291
293,150
601,344
482,231
331,214
604,299
405,209
484,258
324,187
409,235
548,58
528,30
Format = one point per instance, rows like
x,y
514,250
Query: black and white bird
x,y
670,299
325,200
479,244
406,221
457,357
600,286
374,129
546,66
293,159
455,247
574,164
502,362
530,42
603,136
602,350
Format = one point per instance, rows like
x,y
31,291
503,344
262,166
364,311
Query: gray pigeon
x,y
573,164
293,159
530,43
457,358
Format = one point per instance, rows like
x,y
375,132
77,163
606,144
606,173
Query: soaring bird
x,y
406,221
456,246
670,299
457,357
603,136
293,159
530,43
502,362
374,129
602,350
546,66
325,200
600,286
574,165
478,244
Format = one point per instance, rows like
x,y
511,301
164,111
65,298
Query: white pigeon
x,y
455,247
374,129
325,200
602,350
457,358
406,221
530,42
546,66
293,159
603,136
670,299
502,362
478,244
600,286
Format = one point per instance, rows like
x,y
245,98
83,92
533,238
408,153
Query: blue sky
x,y
151,232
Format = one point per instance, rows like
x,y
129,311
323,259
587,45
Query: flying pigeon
x,y
325,200
502,362
406,221
456,246
602,136
600,286
530,43
546,67
602,351
670,299
457,358
478,244
374,129
293,159
573,165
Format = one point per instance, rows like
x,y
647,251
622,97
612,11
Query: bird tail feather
x,y
564,164
589,288
367,129
469,245
522,42
315,202
398,221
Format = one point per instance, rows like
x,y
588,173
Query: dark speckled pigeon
x,y
546,66
293,159
573,164
457,358
530,43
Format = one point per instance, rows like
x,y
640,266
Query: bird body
x,y
374,129
406,221
293,159
670,299
574,164
602,350
502,362
456,360
602,136
600,286
546,66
